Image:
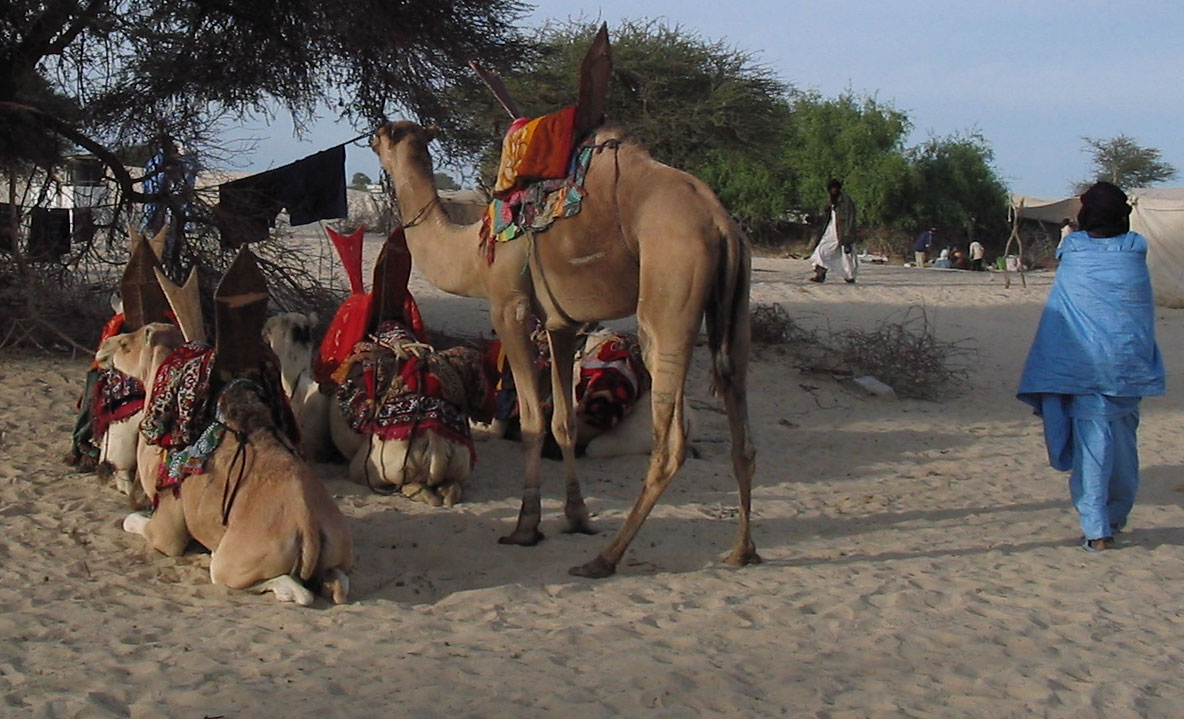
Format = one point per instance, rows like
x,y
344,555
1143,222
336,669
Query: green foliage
x,y
359,181
767,151
1126,163
857,140
958,187
689,100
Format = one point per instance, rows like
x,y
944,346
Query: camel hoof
x,y
522,537
422,493
598,568
136,522
451,493
743,558
335,586
580,526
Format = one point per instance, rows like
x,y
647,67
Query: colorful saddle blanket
x,y
397,398
611,378
540,179
176,413
114,397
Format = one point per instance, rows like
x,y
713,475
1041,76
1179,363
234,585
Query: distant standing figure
x,y
836,247
977,252
1094,358
922,245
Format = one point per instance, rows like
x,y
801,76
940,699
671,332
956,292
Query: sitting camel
x,y
612,400
240,489
114,400
400,409
289,335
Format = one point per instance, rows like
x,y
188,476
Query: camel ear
x,y
116,303
431,131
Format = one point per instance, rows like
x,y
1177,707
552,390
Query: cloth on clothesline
x,y
310,189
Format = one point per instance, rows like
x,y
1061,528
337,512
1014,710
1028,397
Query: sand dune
x,y
921,560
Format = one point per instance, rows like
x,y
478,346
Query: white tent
x,y
1158,215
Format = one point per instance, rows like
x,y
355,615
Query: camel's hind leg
x,y
743,467
563,426
668,336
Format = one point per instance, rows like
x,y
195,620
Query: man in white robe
x,y
836,247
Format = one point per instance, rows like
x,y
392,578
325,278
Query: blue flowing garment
x,y
1097,333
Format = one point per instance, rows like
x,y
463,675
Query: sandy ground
x,y
921,560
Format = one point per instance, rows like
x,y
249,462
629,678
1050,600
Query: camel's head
x,y
290,336
394,133
139,353
403,144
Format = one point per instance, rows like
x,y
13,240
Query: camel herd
x,y
650,241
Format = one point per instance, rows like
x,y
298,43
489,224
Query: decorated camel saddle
x,y
401,411
219,454
611,382
545,160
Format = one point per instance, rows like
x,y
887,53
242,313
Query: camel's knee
x,y
137,523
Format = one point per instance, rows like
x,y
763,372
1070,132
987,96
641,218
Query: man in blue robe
x,y
1093,359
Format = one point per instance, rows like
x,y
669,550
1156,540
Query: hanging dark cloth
x,y
6,227
311,189
49,233
84,225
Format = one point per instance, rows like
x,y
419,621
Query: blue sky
x,y
1031,77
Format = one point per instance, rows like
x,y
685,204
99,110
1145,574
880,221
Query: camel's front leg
x,y
563,427
510,322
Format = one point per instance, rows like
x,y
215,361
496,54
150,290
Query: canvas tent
x,y
1158,215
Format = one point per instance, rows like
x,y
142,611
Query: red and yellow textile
x,y
346,330
537,149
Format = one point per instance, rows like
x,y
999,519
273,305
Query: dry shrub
x,y
903,351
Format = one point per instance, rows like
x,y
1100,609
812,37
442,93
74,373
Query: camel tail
x,y
727,309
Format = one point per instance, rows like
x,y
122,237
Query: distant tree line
x,y
765,147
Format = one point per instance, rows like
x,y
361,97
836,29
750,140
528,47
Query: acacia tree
x,y
857,140
685,97
1124,162
102,75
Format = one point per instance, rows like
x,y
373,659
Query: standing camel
x,y
649,240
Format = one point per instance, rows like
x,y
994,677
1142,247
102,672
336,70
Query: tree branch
x,y
122,176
